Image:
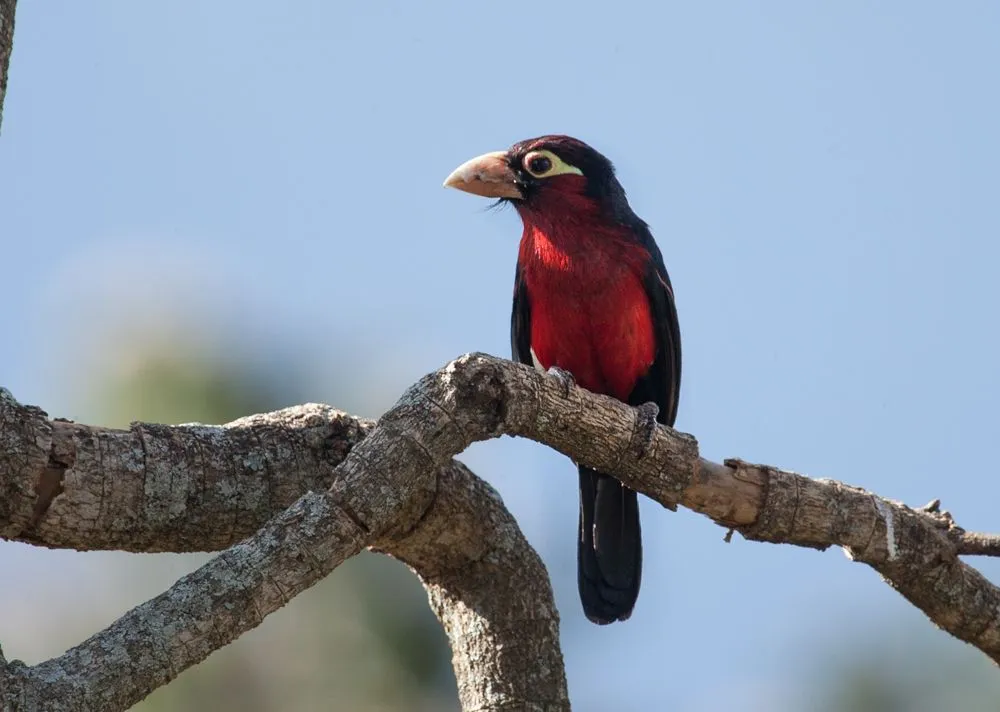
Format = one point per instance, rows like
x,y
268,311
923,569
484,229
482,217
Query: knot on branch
x,y
62,457
26,453
477,388
941,518
966,543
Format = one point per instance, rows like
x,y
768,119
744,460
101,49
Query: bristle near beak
x,y
488,175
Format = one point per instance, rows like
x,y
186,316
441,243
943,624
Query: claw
x,y
647,419
565,378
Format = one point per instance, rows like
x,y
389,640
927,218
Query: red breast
x,y
589,311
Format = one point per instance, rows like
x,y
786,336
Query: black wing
x,y
609,553
662,383
520,322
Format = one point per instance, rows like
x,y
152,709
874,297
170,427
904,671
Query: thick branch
x,y
150,645
155,480
484,581
161,488
7,8
492,594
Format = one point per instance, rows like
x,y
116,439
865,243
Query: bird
x,y
592,303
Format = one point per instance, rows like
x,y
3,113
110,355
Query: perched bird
x,y
591,298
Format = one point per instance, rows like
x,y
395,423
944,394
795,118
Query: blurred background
x,y
211,209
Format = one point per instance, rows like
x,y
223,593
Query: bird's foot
x,y
565,378
648,423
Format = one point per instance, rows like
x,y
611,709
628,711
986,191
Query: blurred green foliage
x,y
913,668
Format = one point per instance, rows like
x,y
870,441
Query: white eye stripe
x,y
550,164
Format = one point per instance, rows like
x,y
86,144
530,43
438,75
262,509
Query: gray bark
x,y
7,8
158,486
393,487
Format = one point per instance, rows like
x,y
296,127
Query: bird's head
x,y
548,176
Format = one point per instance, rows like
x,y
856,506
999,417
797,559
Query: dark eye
x,y
539,165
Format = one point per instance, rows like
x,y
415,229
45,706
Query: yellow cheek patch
x,y
556,166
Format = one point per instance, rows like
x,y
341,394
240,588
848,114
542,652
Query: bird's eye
x,y
538,165
545,164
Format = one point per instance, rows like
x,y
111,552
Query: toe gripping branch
x,y
565,378
647,423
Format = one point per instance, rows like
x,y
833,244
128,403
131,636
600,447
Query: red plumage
x,y
585,280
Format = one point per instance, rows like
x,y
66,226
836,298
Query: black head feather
x,y
602,184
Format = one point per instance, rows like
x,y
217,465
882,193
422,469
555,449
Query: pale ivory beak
x,y
487,175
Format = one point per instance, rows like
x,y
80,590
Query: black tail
x,y
609,552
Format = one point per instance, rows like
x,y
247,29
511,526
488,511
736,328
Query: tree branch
x,y
395,488
485,583
7,8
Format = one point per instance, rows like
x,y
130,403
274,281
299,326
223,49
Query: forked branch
x,y
394,487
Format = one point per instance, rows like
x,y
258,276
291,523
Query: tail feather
x,y
609,551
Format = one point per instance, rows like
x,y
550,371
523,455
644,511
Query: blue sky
x,y
821,178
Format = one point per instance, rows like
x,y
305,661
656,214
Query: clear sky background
x,y
822,179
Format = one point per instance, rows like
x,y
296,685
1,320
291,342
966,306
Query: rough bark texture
x,y
492,594
393,487
7,8
197,488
